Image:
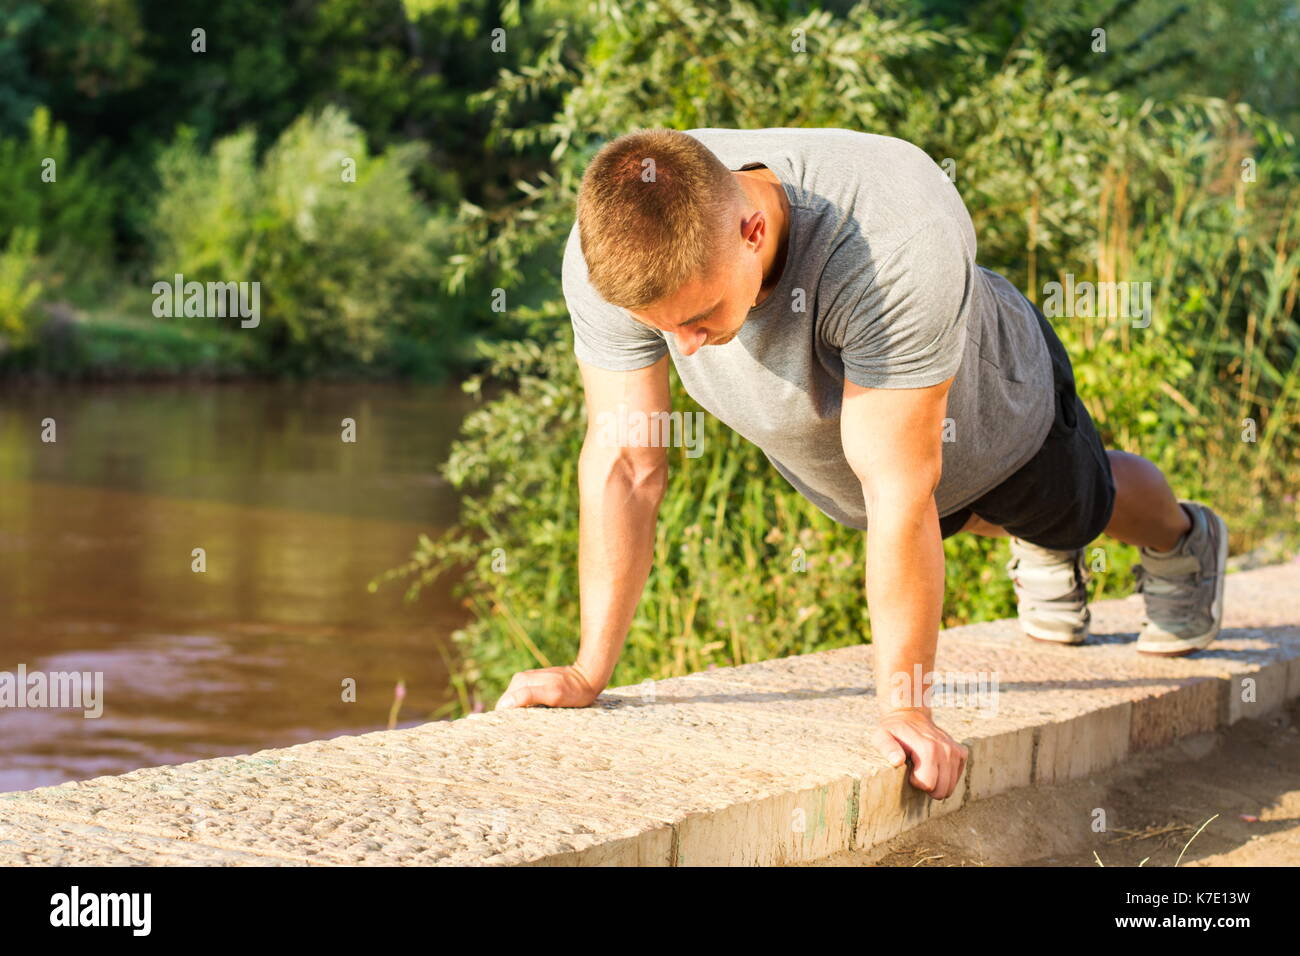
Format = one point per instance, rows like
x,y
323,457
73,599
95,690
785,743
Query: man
x,y
817,291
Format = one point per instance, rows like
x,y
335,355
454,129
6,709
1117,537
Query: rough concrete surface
x,y
768,763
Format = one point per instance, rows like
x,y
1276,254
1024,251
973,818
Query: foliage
x,y
121,76
61,199
1062,175
339,261
19,289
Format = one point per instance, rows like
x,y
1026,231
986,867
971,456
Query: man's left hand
x,y
938,761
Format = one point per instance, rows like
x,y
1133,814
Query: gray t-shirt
x,y
879,286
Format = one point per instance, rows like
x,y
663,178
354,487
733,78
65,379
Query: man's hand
x,y
550,686
937,759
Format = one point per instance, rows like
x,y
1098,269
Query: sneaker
x,y
1051,592
1183,588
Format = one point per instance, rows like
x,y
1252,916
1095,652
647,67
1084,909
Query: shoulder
x,y
573,269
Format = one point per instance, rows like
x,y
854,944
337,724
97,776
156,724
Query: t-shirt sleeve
x,y
908,329
604,335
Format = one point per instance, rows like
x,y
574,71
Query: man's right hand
x,y
563,686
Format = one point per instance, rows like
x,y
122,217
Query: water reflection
x,y
97,532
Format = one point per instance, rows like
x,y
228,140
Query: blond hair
x,y
652,212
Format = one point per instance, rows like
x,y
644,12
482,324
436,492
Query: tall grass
x,y
1210,390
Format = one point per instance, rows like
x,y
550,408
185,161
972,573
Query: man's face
x,y
711,310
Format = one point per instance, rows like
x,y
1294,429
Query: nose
x,y
690,340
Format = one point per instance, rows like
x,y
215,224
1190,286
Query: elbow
x,y
639,474
647,481
913,495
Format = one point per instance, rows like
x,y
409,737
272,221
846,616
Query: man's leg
x,y
1183,549
1146,512
1073,490
977,525
1183,546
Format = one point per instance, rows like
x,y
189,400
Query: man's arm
x,y
893,441
619,491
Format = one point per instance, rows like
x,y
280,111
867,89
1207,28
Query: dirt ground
x,y
1154,805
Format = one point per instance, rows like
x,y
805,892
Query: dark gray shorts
x,y
1061,498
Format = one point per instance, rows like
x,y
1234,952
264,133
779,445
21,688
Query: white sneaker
x,y
1183,588
1051,592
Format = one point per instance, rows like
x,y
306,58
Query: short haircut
x,y
652,214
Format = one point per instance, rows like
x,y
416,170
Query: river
x,y
98,530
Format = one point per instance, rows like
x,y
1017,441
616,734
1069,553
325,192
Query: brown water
x,y
96,535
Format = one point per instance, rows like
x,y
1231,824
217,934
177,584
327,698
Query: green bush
x,y
1060,175
342,264
19,289
67,203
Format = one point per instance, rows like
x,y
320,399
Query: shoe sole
x,y
1049,636
1053,640
1191,644
1066,642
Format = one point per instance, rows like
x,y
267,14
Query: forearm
x,y
617,513
905,589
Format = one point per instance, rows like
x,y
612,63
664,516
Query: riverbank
x,y
120,342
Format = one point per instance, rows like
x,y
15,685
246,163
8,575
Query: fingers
x,y
938,761
507,700
549,687
927,769
888,746
921,748
947,760
520,693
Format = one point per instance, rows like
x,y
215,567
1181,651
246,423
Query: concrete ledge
x,y
762,764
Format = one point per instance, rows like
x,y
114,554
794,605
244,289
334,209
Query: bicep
x,y
893,438
616,397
